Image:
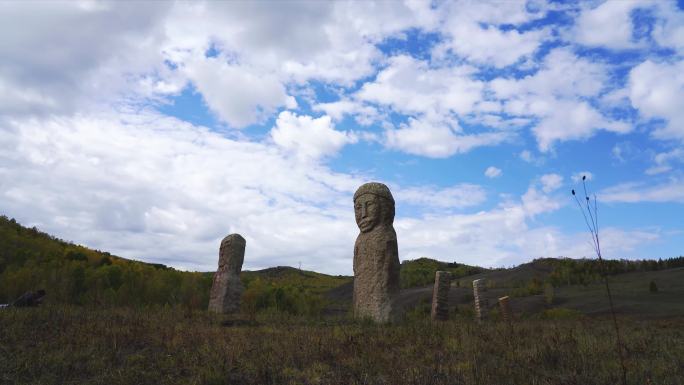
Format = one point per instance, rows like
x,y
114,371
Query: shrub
x,y
560,313
75,255
268,296
652,287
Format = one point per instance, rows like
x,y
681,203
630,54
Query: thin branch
x,y
594,231
586,221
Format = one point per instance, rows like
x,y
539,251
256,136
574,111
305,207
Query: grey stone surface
x,y
479,287
440,296
376,254
226,289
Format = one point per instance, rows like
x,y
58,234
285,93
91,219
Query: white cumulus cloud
x,y
493,172
657,91
309,137
557,96
664,161
551,182
237,95
458,196
635,192
410,86
490,45
437,140
609,24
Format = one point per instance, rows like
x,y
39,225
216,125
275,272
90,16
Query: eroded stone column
x,y
505,307
440,296
376,255
479,287
226,289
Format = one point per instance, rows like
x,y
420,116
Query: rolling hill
x,y
31,259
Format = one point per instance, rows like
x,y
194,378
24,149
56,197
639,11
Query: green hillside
x,y
640,288
421,271
31,259
74,274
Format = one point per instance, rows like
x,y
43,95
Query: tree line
x,y
73,274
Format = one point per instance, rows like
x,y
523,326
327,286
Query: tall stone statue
x,y
227,288
376,256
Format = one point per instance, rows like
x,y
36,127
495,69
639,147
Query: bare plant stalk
x,y
592,223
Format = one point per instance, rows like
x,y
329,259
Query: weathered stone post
x,y
376,254
226,289
480,301
440,296
505,306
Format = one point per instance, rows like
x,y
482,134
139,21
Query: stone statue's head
x,y
373,205
232,253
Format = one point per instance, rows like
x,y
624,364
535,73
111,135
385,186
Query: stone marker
x,y
505,306
376,256
227,288
440,296
480,301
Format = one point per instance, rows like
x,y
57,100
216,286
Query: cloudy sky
x,y
152,130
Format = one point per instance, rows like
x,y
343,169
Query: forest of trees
x,y
421,271
31,260
568,271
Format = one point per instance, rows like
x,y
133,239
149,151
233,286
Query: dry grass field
x,y
58,344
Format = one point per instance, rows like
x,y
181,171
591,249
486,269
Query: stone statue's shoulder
x,y
389,234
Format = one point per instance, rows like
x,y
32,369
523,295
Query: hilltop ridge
x,y
31,259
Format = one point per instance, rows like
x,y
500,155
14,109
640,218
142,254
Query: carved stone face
x,y
368,211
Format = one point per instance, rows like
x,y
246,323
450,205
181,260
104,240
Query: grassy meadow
x,y
79,345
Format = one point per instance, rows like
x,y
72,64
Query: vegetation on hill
x,y
633,294
567,271
421,271
73,274
317,283
289,290
538,276
31,259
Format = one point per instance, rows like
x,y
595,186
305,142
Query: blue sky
x,y
152,130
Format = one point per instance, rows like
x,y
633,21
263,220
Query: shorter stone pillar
x,y
440,296
226,289
479,287
505,306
